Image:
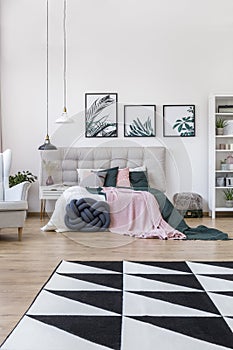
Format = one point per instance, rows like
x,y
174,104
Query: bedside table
x,y
52,192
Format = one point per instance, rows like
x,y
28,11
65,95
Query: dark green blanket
x,y
173,217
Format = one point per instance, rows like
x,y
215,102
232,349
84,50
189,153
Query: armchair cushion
x,y
13,206
18,192
12,214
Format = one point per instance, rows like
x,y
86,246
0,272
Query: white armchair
x,y
13,200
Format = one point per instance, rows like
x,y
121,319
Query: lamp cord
x,y
64,57
47,67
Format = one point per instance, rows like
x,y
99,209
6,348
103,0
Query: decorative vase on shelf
x,y
49,181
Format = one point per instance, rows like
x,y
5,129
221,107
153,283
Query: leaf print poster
x,y
101,114
139,120
179,120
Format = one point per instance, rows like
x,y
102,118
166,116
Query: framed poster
x,y
179,120
101,114
139,120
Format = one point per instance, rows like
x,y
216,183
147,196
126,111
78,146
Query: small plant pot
x,y
219,131
229,203
224,166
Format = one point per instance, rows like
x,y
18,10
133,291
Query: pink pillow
x,y
123,177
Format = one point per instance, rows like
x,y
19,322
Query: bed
x,y
151,213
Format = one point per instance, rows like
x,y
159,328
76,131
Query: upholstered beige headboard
x,y
66,161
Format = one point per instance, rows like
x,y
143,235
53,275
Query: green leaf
x,y
21,177
180,128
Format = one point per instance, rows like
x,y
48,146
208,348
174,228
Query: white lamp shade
x,y
64,118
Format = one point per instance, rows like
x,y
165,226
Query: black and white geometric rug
x,y
130,306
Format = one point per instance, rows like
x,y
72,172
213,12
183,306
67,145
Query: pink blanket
x,y
136,213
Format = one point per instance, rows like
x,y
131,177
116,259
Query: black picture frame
x,y
139,120
101,114
179,120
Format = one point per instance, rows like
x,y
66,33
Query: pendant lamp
x,y
64,118
47,144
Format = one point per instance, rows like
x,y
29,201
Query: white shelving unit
x,y
216,155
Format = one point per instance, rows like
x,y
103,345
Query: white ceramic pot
x,y
219,131
229,203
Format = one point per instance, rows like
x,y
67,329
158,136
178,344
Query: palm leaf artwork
x,y
137,128
98,124
185,125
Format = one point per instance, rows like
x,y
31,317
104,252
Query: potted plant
x,y
223,165
220,125
229,197
21,177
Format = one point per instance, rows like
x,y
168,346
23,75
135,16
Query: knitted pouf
x,y
189,204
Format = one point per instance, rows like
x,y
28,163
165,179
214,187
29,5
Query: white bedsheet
x,y
56,222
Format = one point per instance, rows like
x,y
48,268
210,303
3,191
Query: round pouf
x,y
189,204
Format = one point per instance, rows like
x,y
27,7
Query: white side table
x,y
52,192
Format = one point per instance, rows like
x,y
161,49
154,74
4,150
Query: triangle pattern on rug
x,y
150,305
105,331
63,282
189,281
210,268
112,266
140,305
225,277
224,303
195,327
229,321
196,300
89,267
178,266
111,301
138,335
135,283
50,304
109,280
144,268
31,334
212,284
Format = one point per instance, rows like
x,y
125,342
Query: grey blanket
x,y
87,214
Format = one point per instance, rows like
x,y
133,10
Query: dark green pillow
x,y
138,179
111,176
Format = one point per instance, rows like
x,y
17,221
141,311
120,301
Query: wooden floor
x,y
25,266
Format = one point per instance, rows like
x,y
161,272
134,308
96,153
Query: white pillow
x,y
91,178
139,168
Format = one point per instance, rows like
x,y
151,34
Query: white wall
x,y
152,51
